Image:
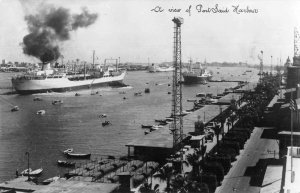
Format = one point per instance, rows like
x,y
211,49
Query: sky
x,y
129,30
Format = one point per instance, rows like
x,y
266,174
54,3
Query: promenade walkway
x,y
249,169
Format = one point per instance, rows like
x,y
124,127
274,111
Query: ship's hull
x,y
159,69
193,79
27,86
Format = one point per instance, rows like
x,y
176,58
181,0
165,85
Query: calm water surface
x,y
76,124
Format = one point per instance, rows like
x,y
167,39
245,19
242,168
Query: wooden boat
x,y
65,163
41,112
190,110
146,126
56,102
79,155
169,119
15,108
201,94
138,94
50,180
102,116
105,123
156,127
32,172
185,113
161,121
37,99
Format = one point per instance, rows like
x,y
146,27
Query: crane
x,y
177,87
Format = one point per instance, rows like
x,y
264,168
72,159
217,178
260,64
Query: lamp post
x,y
28,172
271,65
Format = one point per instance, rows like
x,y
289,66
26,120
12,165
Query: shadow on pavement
x,y
257,172
270,133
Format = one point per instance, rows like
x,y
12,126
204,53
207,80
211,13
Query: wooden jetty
x,y
158,145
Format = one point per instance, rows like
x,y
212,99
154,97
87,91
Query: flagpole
x,y
292,108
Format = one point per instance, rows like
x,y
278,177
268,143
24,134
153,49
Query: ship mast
x,y
84,70
190,64
93,59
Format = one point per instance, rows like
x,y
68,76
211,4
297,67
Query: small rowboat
x,y
146,126
32,172
156,127
37,99
41,112
79,155
57,102
191,100
50,180
105,123
102,116
138,94
65,163
161,122
15,108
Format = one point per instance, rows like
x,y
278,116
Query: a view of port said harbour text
x,y
149,96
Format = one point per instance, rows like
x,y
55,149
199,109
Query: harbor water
x,y
76,123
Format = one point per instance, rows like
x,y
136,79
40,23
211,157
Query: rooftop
x,y
78,187
227,98
22,185
272,179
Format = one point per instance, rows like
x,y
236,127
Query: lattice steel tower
x,y
296,43
177,87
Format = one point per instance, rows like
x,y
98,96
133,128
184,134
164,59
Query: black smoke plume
x,y
51,26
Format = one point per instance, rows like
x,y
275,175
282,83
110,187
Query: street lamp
x,y
28,172
271,65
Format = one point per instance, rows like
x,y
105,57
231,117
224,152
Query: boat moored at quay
x,y
54,80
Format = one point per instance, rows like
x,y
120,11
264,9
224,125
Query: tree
x,y
184,184
164,174
177,183
217,130
147,188
193,160
228,123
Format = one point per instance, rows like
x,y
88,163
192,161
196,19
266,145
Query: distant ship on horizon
x,y
154,68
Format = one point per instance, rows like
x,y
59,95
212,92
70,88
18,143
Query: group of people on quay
x,y
209,168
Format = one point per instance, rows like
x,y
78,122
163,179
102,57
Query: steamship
x,y
52,80
154,68
197,75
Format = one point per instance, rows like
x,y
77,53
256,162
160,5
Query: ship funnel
x,y
46,66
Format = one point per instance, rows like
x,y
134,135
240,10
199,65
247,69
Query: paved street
x,y
238,178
